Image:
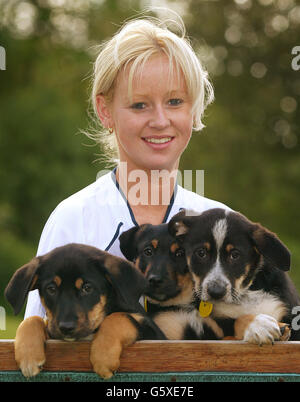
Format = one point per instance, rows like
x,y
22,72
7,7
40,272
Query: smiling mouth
x,y
158,140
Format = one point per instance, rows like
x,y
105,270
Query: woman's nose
x,y
159,118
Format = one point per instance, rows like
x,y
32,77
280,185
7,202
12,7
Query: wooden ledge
x,y
171,356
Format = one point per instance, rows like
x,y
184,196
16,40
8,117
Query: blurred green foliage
x,y
249,149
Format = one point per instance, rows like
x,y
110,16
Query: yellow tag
x,y
205,308
145,304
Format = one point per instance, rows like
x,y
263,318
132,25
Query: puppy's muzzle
x,y
67,328
216,290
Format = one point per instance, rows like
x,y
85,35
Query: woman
x,y
149,92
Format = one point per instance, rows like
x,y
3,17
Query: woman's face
x,y
153,127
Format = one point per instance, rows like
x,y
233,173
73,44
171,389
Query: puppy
x,y
170,299
238,268
87,293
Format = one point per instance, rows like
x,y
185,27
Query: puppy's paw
x,y
105,361
31,365
30,346
285,331
263,329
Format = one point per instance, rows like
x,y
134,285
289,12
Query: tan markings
x,y
148,267
214,327
154,243
116,332
172,324
49,322
207,245
229,247
285,331
174,247
35,278
138,317
197,281
137,262
186,295
240,280
97,314
241,324
79,283
57,280
29,345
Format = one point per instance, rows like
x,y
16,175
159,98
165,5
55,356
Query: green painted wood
x,y
16,376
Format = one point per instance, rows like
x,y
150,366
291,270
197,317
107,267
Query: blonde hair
x,y
135,42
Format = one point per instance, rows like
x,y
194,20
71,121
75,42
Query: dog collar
x,y
205,308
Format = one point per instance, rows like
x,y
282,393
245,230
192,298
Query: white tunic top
x,y
96,216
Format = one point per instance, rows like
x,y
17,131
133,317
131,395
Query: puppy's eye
x,y
148,251
51,289
201,252
234,254
180,252
86,289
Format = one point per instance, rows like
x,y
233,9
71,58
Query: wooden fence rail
x,y
170,356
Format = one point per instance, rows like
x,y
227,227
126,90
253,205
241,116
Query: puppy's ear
x,y
269,245
23,280
129,284
128,243
179,224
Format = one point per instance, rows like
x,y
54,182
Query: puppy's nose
x,y
154,279
67,327
216,290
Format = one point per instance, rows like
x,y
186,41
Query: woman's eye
x,y
175,102
138,106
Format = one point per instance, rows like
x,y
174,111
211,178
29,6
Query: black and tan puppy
x,y
170,300
86,292
239,268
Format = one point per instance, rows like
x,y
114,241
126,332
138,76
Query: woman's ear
x,y
104,112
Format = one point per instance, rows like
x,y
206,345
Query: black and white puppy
x,y
239,268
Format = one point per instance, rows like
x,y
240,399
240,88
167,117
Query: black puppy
x,y
170,300
238,268
85,292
